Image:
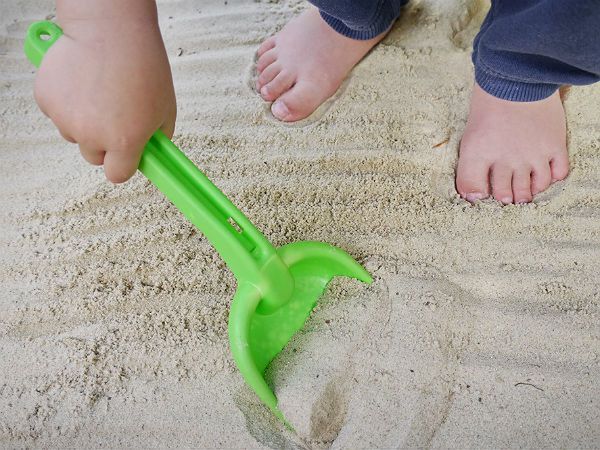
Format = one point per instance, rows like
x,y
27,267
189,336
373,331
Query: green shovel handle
x,y
246,251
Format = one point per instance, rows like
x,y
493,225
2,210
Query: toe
x,y
501,180
541,178
267,75
281,83
521,185
298,102
559,166
266,60
473,178
267,45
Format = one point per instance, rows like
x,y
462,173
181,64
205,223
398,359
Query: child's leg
x,y
306,62
514,144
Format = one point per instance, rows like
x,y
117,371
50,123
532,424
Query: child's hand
x,y
106,84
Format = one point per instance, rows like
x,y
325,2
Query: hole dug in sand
x,y
315,373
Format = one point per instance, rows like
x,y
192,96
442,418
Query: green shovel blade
x,y
257,338
277,288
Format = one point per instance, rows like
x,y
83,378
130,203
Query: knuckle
x,y
84,129
126,143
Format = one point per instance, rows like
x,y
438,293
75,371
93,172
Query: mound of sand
x,y
482,328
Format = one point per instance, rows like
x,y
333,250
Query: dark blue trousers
x,y
525,50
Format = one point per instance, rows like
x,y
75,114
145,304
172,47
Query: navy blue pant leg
x,y
360,19
527,49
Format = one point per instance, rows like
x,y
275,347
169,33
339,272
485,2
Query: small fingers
x,y
67,137
92,154
168,127
40,97
44,104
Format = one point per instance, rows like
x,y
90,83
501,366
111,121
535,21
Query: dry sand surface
x,y
482,328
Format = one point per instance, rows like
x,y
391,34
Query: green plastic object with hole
x,y
277,288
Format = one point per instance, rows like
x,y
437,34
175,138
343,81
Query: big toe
x,y
472,179
559,166
298,102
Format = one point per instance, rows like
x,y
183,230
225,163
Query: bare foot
x,y
511,150
304,64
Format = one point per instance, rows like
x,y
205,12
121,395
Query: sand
x,y
482,328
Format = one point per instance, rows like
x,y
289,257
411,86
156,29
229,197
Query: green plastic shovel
x,y
276,288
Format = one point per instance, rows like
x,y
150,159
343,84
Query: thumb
x,y
120,164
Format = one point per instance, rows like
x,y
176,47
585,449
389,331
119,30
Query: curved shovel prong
x,y
241,311
332,260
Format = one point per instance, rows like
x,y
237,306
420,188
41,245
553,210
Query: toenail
x,y
474,196
264,91
506,200
280,110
